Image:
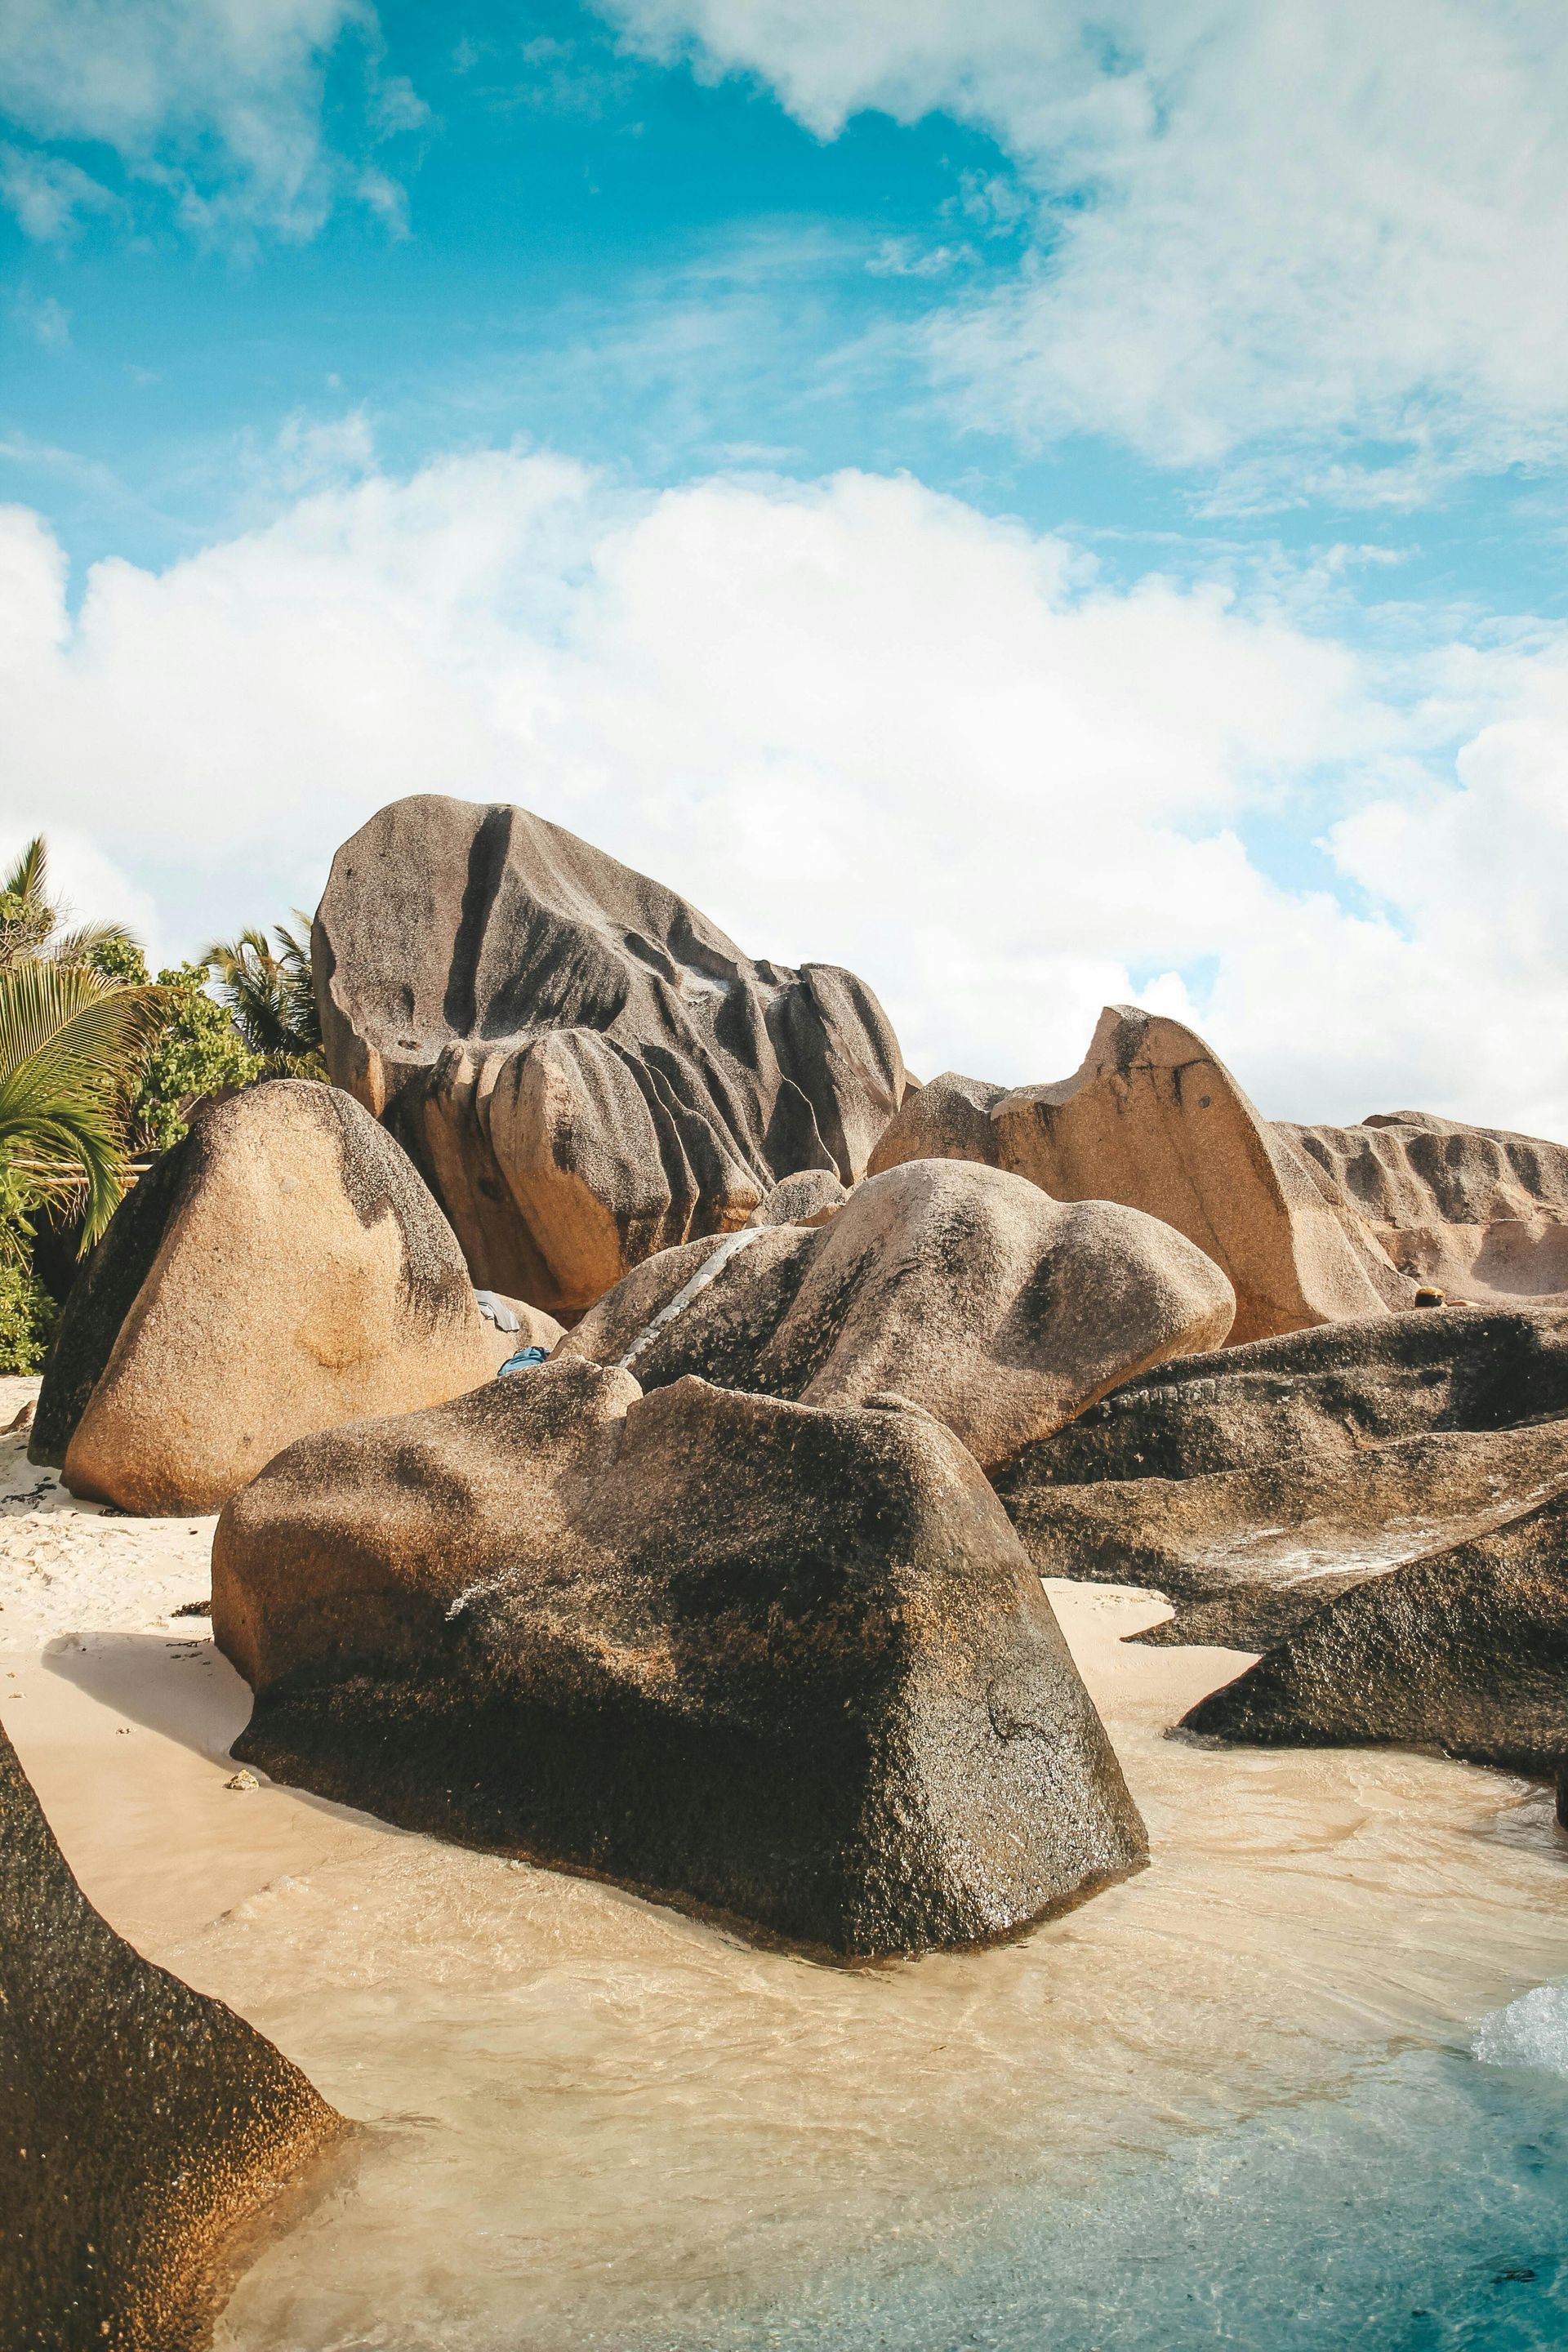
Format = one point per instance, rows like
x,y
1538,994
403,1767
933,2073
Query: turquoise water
x,y
1425,2210
1287,2089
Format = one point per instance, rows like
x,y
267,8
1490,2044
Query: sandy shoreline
x,y
626,2109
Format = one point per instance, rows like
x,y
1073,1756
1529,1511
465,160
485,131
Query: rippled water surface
x,y
1234,2101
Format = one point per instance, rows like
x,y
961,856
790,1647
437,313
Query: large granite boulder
x,y
1252,1484
1153,1120
1478,1212
280,1269
964,1288
583,1067
139,2121
1465,1650
786,1665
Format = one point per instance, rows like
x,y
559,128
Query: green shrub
x,y
198,1050
27,1316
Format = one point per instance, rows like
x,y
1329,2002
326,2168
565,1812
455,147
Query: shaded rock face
x,y
1480,1214
585,1068
1300,1465
139,2121
282,1268
1153,1120
962,1288
1465,1651
786,1666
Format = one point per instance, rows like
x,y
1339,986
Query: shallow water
x,y
1233,2101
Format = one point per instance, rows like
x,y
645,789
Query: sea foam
x,y
1531,2031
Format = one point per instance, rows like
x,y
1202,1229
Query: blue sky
x,y
1037,505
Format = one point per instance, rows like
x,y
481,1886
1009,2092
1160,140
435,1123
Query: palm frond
x,y
270,995
73,1015
29,878
78,945
60,1141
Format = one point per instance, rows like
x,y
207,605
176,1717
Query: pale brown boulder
x,y
809,1199
1153,1120
139,2122
1479,1212
290,1271
786,1665
962,1288
586,1070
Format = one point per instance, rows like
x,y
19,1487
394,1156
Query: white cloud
x,y
1283,222
218,100
853,720
42,317
48,196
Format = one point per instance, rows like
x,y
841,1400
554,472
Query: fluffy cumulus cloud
x,y
853,720
218,102
1253,221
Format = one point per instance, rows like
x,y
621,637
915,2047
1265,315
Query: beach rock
x,y
1297,1522
947,1119
786,1666
809,1199
584,1068
281,1269
99,1300
1302,1463
1153,1119
964,1289
139,2121
1465,1651
1481,1213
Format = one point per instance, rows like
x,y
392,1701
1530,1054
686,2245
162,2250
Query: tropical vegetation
x,y
270,994
99,1061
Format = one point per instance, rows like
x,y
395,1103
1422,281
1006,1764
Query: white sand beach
x,y
593,2108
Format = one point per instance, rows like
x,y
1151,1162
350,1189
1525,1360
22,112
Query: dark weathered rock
x,y
1253,1617
1323,1391
139,2121
1299,1464
99,1300
1303,1518
1465,1651
586,1069
786,1665
960,1287
282,1269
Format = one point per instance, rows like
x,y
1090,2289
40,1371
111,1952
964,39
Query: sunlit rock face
x,y
1154,1120
783,1664
964,1288
1479,1212
282,1268
1312,1225
585,1068
139,2121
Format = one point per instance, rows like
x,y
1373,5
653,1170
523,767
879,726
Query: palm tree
x,y
271,997
70,1041
30,925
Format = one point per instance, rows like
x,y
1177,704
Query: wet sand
x,y
598,2122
